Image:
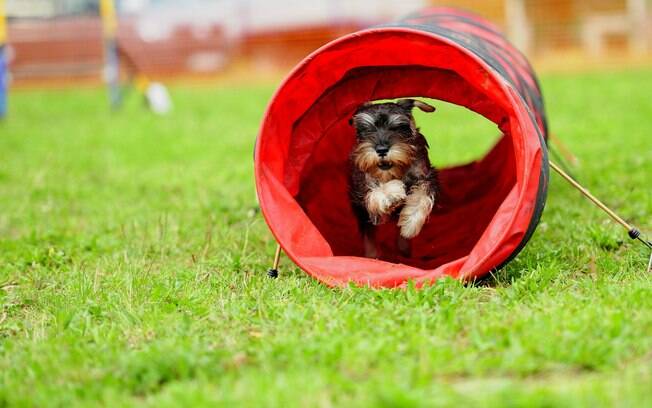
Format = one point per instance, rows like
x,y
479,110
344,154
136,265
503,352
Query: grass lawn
x,y
132,269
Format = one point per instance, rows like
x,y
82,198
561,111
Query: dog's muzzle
x,y
382,150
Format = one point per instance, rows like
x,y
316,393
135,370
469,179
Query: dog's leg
x,y
418,205
370,250
404,247
383,198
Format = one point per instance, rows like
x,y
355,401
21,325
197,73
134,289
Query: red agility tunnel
x,y
488,209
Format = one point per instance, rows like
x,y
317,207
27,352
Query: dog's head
x,y
385,137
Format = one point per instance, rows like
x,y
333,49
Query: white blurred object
x,y
151,30
158,98
264,15
157,19
133,6
631,22
206,61
519,28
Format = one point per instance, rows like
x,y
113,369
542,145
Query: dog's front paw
x,y
414,214
394,193
383,199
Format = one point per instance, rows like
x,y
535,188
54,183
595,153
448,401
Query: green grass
x,y
132,269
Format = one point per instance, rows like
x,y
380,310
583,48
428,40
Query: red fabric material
x,y
301,162
518,69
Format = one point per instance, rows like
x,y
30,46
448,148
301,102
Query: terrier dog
x,y
391,177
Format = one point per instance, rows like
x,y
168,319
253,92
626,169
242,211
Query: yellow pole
x,y
4,69
111,57
273,273
3,23
109,19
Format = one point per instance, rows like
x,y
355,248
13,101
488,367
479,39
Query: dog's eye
x,y
362,131
401,128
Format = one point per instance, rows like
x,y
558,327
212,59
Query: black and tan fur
x,y
392,178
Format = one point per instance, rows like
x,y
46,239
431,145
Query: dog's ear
x,y
424,106
408,104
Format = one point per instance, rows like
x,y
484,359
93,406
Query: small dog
x,y
391,172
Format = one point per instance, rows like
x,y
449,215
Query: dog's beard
x,y
391,167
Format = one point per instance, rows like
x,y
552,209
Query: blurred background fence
x,y
61,41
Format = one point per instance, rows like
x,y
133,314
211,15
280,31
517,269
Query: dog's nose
x,y
382,150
